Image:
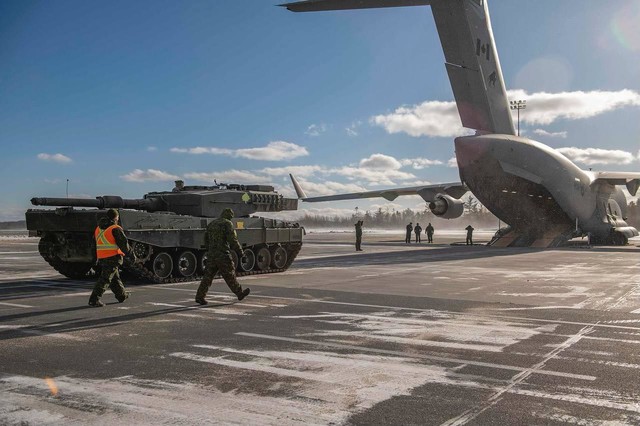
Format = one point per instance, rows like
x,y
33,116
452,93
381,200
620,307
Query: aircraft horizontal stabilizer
x,y
428,192
630,179
320,5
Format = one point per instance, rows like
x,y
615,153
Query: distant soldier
x,y
358,226
179,186
111,246
469,235
418,231
407,238
220,239
429,231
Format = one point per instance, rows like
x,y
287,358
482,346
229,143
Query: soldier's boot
x,y
96,303
124,297
243,293
201,294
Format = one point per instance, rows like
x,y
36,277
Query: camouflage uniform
x,y
109,273
407,238
220,239
469,229
358,226
430,233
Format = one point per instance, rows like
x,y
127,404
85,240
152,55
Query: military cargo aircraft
x,y
541,194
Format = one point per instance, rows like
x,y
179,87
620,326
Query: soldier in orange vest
x,y
111,247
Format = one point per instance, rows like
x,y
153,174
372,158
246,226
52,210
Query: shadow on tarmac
x,y
447,253
84,323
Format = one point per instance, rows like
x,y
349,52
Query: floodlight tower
x,y
518,105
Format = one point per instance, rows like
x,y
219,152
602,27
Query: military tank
x,y
166,231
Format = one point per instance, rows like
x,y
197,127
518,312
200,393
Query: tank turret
x,y
201,201
166,230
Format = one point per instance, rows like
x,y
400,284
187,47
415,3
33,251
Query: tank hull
x,y
171,246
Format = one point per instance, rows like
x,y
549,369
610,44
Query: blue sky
x,y
121,97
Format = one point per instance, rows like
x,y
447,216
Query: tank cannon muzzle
x,y
104,202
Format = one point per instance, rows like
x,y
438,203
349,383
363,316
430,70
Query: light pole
x,y
518,105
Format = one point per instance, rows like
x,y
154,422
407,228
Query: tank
x,y
166,231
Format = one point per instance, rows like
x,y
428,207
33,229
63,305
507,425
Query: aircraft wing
x,y
470,53
427,192
630,179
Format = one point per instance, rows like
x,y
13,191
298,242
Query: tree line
x,y
389,218
474,213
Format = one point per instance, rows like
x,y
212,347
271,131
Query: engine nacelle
x,y
446,206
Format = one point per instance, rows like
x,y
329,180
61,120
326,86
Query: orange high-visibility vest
x,y
106,245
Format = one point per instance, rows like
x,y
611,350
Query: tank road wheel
x,y
263,259
142,251
186,264
278,257
247,261
203,262
162,265
234,258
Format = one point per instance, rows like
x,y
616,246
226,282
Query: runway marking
x,y
16,305
416,356
209,309
474,412
435,311
45,334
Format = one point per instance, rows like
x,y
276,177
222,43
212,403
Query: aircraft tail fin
x,y
470,53
299,192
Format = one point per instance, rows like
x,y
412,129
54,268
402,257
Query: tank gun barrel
x,y
104,202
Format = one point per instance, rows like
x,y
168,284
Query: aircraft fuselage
x,y
534,188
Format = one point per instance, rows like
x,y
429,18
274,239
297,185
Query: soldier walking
x,y
469,235
418,231
220,239
358,226
407,238
429,231
111,246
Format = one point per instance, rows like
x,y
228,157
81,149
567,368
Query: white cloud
x,y
313,189
545,108
152,148
352,130
380,162
441,119
377,169
542,132
430,118
452,162
56,158
592,156
53,181
274,151
230,176
316,129
420,163
386,207
295,170
149,175
204,150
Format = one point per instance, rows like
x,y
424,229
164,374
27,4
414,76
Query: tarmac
x,y
398,334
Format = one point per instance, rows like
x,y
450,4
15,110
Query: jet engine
x,y
446,206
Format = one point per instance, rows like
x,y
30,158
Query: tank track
x,y
142,272
77,271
